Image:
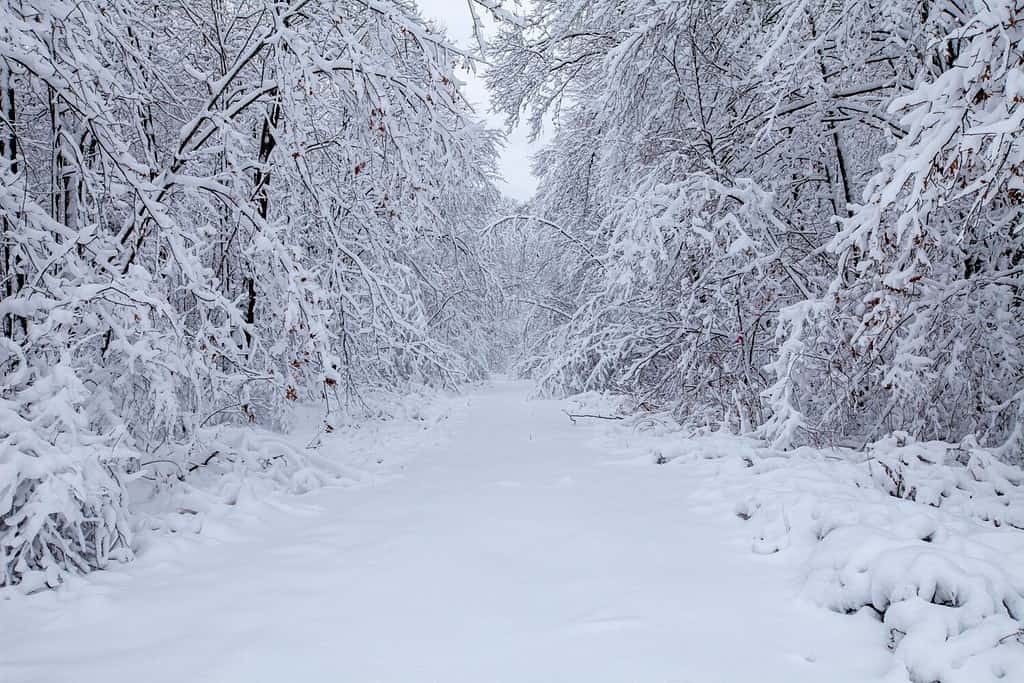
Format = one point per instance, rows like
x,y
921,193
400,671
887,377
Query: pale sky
x,y
515,158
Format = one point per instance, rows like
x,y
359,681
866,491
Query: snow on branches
x,y
930,263
208,214
811,220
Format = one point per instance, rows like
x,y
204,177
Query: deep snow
x,y
507,544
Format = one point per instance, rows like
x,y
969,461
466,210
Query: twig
x,y
206,462
573,416
181,475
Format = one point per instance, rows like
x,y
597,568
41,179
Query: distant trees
x,y
209,211
805,216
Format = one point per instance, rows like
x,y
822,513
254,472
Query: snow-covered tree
x,y
673,163
208,213
753,266
921,328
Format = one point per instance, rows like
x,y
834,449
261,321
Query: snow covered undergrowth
x,y
180,488
928,538
230,465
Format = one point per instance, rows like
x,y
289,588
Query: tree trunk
x,y
262,194
12,279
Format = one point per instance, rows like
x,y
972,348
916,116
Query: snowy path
x,y
514,551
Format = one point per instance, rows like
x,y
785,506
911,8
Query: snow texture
x,y
926,538
494,539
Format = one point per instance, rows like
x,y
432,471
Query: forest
x,y
798,222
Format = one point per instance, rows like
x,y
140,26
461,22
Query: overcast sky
x,y
515,158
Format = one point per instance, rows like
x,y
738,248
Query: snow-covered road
x,y
511,548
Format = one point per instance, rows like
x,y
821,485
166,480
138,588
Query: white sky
x,y
515,158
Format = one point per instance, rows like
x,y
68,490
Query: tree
x,y
921,328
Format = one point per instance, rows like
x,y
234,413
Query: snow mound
x,y
230,467
924,561
951,616
73,501
925,536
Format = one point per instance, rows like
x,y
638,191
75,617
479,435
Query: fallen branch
x,y
573,416
196,466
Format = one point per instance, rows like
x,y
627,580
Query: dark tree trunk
x,y
262,195
11,277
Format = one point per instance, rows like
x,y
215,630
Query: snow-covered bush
x,y
61,499
662,317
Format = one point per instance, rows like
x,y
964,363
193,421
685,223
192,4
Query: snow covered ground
x,y
495,540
